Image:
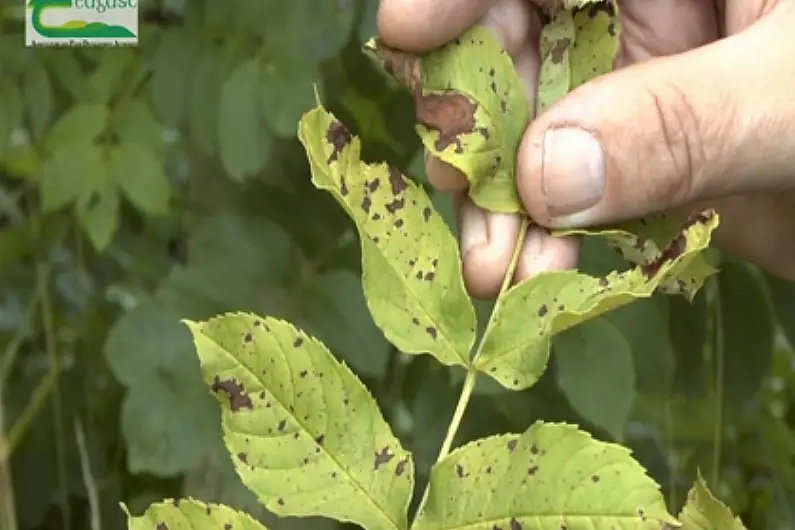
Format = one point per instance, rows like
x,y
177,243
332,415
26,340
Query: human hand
x,y
700,114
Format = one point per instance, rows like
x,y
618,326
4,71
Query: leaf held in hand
x,y
305,434
516,346
703,511
412,269
551,476
471,110
190,514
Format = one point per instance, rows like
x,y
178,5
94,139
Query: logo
x,y
81,22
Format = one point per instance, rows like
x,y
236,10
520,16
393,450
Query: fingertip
x,y
443,176
422,25
543,252
487,241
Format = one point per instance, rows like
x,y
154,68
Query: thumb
x,y
714,121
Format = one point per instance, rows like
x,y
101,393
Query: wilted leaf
x,y
305,434
516,348
471,110
703,511
140,176
596,374
190,514
748,331
244,139
551,476
412,270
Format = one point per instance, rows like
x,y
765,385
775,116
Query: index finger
x,y
422,25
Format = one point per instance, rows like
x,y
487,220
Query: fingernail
x,y
572,172
473,227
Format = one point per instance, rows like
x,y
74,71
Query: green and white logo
x,y
81,22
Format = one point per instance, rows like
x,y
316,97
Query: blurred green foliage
x,y
144,185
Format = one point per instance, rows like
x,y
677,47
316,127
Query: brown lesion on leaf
x,y
450,114
400,468
162,526
675,248
339,137
512,445
559,49
382,457
432,331
238,397
514,524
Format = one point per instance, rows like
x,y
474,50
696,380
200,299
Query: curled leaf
x,y
412,270
516,346
190,514
552,476
471,110
305,434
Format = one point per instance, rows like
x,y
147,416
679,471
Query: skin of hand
x,y
700,113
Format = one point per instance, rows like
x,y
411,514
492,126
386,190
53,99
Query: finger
x,y
759,228
704,124
542,252
422,25
487,243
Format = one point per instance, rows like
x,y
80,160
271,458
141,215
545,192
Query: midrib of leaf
x,y
357,485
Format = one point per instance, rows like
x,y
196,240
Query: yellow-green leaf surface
x,y
471,110
552,476
516,346
412,269
703,511
189,514
578,44
305,434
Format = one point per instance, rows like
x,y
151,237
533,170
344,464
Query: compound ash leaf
x,y
516,346
703,511
471,110
551,476
190,514
412,269
305,434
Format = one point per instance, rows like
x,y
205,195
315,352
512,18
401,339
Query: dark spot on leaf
x,y
208,510
280,501
376,216
382,457
298,342
484,132
604,282
503,106
395,205
459,470
595,478
396,181
303,373
373,185
399,223
492,72
512,445
400,468
489,470
248,337
432,331
559,49
429,276
514,524
243,457
320,439
162,526
606,6
543,310
227,526
175,502
281,425
415,321
642,514
426,213
366,204
338,136
449,114
534,449
238,398
296,435
493,87
532,470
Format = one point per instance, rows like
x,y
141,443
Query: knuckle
x,y
682,136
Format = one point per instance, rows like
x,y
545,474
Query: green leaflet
x,y
306,435
190,514
578,44
516,346
552,476
412,270
471,110
703,511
